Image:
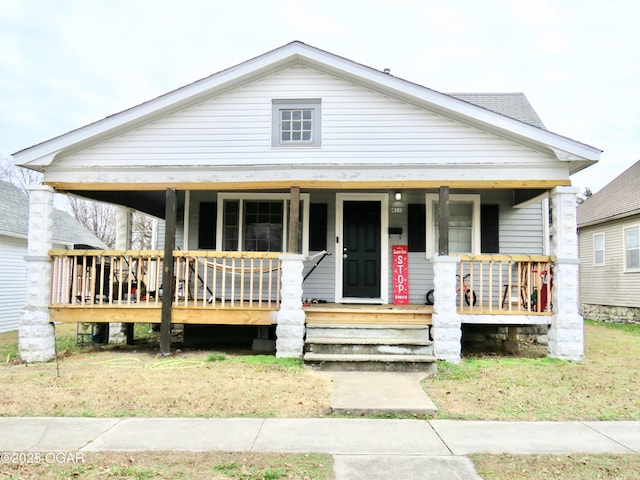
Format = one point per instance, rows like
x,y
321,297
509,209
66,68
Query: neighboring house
x,y
14,223
302,151
609,241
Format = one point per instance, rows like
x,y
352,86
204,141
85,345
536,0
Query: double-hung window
x,y
259,222
295,123
598,249
464,223
632,248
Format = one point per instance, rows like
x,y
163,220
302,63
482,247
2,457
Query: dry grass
x,y
136,382
557,467
605,386
180,465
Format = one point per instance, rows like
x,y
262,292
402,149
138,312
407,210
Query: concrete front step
x,y
377,346
372,362
366,341
407,333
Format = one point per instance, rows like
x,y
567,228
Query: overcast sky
x,y
66,63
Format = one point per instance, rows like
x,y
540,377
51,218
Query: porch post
x,y
443,224
36,338
168,271
446,323
294,219
118,331
291,317
566,335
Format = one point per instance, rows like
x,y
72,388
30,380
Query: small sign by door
x,y
400,273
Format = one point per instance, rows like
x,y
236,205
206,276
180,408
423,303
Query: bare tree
x,y
98,218
584,195
19,176
141,231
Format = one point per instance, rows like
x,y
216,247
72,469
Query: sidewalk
x,y
362,448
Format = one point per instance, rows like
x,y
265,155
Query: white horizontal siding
x,y
608,284
359,126
521,231
13,281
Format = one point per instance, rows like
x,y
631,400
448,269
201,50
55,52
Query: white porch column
x,y
447,325
117,331
566,335
36,339
291,316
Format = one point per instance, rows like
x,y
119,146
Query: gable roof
x,y
485,117
14,220
618,199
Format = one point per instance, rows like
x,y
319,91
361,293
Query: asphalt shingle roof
x,y
619,198
14,220
514,105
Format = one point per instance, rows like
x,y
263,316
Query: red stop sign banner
x,y
400,274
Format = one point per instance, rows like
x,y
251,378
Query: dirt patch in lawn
x,y
135,381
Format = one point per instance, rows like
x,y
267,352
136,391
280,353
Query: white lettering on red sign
x,y
400,274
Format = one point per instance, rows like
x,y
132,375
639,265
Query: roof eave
x,y
610,218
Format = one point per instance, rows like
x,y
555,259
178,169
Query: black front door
x,y
361,245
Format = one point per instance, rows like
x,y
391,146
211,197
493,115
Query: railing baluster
x,y
242,260
214,282
205,275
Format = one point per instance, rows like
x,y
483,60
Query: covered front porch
x,y
268,288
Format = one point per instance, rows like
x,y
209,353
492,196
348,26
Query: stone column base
x,y
445,321
117,333
566,337
36,338
291,317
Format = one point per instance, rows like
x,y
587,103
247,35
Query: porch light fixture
x,y
397,196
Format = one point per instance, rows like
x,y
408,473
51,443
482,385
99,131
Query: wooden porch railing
x,y
505,284
134,277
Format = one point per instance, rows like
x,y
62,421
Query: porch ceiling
x,y
151,202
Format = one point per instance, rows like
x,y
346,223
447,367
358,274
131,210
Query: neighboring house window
x,y
598,249
259,222
632,248
464,223
296,123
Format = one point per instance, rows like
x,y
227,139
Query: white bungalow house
x,y
609,250
14,221
259,168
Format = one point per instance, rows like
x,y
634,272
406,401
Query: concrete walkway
x,y
379,393
362,448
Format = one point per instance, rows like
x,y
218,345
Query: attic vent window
x,y
296,123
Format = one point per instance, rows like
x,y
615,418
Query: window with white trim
x,y
464,223
632,248
598,249
259,222
296,123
